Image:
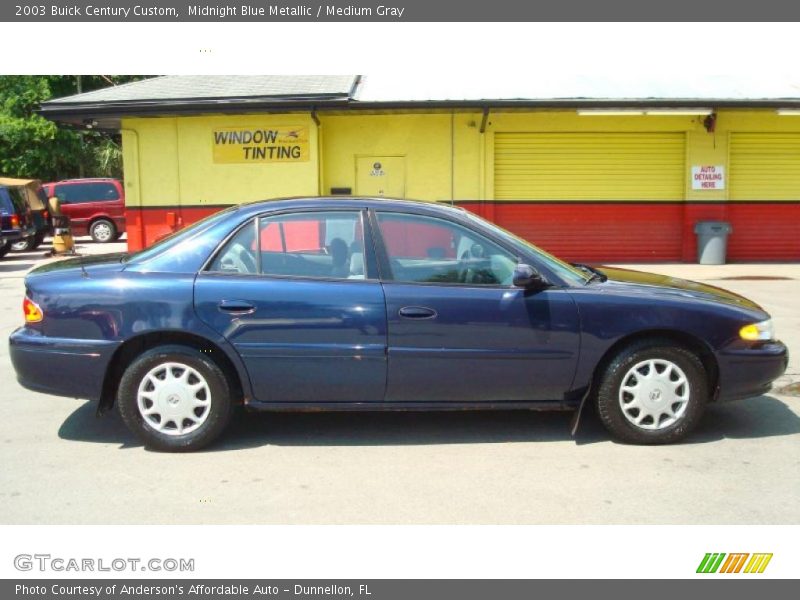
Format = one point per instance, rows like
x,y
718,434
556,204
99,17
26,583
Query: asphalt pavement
x,y
63,465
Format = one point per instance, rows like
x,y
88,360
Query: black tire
x,y
619,370
24,245
38,239
5,248
103,231
170,440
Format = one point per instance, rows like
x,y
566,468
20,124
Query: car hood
x,y
672,286
82,265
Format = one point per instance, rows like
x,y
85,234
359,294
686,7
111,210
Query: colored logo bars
x,y
734,562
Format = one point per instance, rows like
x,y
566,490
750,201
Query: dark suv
x,y
95,207
31,190
16,221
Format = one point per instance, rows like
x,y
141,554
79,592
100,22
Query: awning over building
x,y
195,94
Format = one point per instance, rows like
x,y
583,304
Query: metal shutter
x,y
589,166
764,182
765,166
593,197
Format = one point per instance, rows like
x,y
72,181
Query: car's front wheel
x,y
652,392
175,399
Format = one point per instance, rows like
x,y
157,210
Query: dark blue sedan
x,y
362,304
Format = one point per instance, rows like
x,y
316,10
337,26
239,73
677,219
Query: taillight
x,y
46,215
14,221
33,314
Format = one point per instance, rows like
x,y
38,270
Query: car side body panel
x,y
89,316
302,340
613,311
484,344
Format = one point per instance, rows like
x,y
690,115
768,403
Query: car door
x,y
298,297
458,330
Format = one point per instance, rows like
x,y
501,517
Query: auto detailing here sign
x,y
708,177
259,145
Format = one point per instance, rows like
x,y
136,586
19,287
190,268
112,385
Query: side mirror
x,y
525,276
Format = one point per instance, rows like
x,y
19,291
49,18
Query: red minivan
x,y
95,207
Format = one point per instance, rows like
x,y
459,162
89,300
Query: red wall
x,y
648,231
588,231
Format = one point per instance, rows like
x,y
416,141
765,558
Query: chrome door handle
x,y
417,312
236,307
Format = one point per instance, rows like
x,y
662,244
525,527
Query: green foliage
x,y
33,147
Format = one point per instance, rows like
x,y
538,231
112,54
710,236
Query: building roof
x,y
200,94
553,86
193,94
228,87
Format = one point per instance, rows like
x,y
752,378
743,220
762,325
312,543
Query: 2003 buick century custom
x,y
353,303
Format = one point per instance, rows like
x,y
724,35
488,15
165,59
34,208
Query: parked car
x,y
16,220
36,199
95,207
374,304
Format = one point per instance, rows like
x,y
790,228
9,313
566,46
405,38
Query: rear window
x,y
6,207
16,201
77,193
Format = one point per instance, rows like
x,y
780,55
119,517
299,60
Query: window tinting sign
x,y
255,144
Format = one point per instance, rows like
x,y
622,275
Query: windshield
x,y
172,240
564,270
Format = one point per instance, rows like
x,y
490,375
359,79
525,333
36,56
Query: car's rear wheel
x,y
5,248
652,392
103,231
23,245
175,399
29,243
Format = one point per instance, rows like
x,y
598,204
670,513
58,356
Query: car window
x,y
309,244
424,249
557,266
6,208
76,193
18,200
239,253
186,250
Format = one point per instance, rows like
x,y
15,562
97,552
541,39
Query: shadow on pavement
x,y
83,425
760,417
13,266
764,416
251,430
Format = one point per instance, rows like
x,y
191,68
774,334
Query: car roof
x,y
83,180
355,202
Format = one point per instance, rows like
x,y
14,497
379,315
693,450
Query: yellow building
x,y
591,178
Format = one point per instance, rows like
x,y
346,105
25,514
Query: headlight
x,y
762,331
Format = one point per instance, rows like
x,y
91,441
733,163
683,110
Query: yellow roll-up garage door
x,y
593,196
765,193
765,166
589,166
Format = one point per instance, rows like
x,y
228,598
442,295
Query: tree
x,y
33,147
